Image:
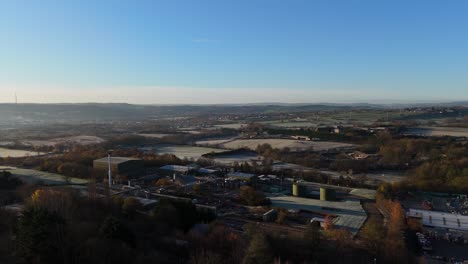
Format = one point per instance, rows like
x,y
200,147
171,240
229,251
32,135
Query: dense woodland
x,y
58,225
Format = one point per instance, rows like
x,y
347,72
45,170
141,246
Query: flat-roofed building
x,y
121,165
440,219
170,170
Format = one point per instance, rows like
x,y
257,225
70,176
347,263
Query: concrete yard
x,y
350,214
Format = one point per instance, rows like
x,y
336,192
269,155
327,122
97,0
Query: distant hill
x,y
72,113
108,112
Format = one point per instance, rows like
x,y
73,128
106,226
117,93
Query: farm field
x,y
364,116
76,140
16,153
294,145
6,143
182,151
214,142
335,118
34,176
231,126
190,131
155,135
438,131
290,124
228,159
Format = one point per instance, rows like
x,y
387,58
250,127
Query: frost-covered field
x,y
214,142
155,135
34,176
229,159
231,126
76,140
182,151
438,131
294,145
16,153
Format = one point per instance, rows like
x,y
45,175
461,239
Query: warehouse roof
x,y
176,168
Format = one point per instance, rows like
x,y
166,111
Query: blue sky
x,y
233,51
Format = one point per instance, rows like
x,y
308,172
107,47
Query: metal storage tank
x,y
299,190
327,194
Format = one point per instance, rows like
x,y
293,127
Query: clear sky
x,y
233,51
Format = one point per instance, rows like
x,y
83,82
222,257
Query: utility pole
x,y
109,161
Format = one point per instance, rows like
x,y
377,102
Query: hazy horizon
x,y
203,96
184,52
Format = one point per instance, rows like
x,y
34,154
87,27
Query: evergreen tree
x,y
40,236
259,251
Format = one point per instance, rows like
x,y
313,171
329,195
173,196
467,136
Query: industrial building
x,y
121,165
349,213
170,170
327,194
300,190
185,180
440,219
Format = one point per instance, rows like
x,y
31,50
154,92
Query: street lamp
x,y
109,162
